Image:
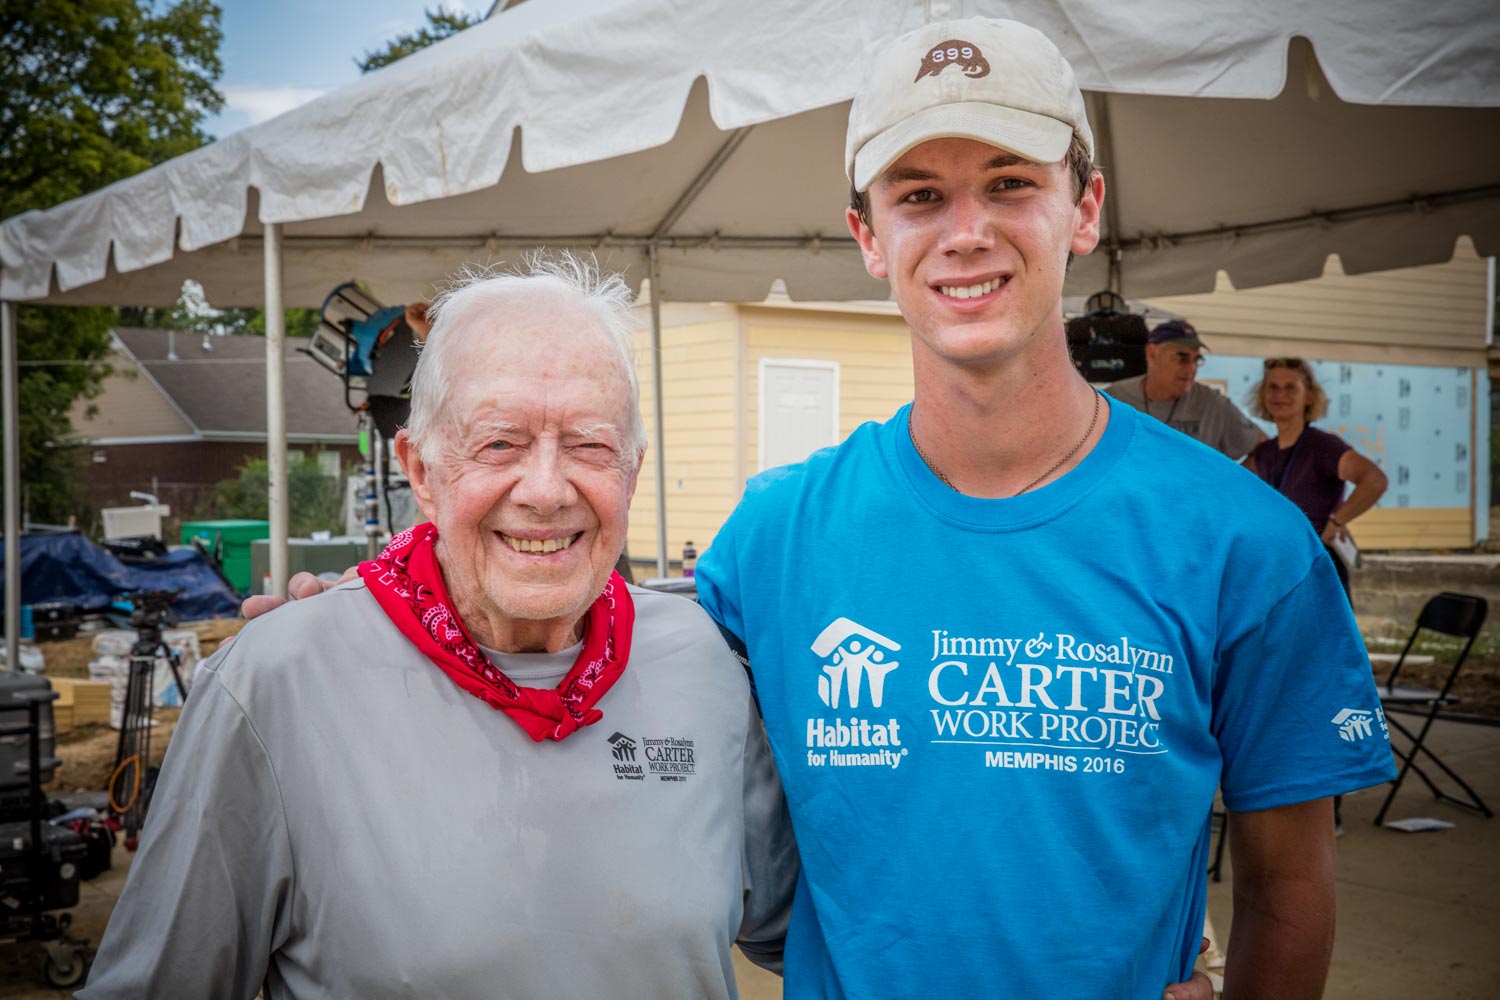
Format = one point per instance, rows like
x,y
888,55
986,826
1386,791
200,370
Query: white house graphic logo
x,y
1354,724
623,747
856,660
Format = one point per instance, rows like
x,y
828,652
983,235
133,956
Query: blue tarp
x,y
69,567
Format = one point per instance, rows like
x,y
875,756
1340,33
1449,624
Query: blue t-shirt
x,y
1000,723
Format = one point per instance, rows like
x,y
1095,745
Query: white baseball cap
x,y
998,82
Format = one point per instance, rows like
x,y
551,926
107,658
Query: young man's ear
x,y
869,246
1086,230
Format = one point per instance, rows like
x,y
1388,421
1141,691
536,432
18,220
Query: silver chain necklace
x,y
1029,486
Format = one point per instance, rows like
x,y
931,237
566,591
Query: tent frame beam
x,y
653,244
693,190
1415,203
1104,157
658,429
711,241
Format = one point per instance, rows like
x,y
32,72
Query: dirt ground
x,y
1478,683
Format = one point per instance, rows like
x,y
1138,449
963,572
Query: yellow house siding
x,y
698,383
129,406
1415,528
1417,315
710,373
873,354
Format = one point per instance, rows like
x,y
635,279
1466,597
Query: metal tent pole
x,y
659,418
1104,157
653,245
12,461
276,409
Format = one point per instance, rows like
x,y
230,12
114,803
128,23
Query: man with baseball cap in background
x,y
1000,692
1170,391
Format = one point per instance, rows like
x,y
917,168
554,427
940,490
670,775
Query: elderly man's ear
x,y
305,585
635,477
417,471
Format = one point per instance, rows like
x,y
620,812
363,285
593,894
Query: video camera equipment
x,y
134,777
151,610
1108,342
372,348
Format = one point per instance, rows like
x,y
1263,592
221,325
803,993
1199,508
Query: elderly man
x,y
486,768
1001,699
1170,391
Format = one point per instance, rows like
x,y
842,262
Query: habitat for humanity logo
x,y
1354,724
856,660
622,748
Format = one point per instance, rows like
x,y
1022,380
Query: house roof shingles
x,y
223,391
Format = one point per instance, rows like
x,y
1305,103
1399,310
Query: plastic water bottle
x,y
689,560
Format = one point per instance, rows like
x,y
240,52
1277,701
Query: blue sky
x,y
280,53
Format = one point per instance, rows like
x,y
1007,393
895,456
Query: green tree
x,y
440,25
46,391
91,91
314,498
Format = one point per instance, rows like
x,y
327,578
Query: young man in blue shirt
x,y
1009,643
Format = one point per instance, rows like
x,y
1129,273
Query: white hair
x,y
564,277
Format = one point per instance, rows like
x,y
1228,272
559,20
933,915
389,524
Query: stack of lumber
x,y
79,702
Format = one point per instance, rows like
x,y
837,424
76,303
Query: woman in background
x,y
1308,466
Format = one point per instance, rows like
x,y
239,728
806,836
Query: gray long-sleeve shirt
x,y
1202,414
336,818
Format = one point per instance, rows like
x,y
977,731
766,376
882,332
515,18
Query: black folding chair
x,y
1460,615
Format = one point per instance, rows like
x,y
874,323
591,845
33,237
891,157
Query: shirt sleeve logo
x,y
1355,724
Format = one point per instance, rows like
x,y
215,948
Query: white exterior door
x,y
799,409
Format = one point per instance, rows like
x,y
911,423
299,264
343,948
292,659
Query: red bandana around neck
x,y
408,584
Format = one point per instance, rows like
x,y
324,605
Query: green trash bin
x,y
306,555
236,536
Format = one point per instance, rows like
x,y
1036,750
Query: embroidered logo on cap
x,y
954,52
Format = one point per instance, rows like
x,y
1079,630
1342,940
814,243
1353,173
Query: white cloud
x,y
261,103
389,29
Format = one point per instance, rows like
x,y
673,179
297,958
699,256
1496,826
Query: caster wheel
x,y
65,976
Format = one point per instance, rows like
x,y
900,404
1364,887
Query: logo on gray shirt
x,y
622,748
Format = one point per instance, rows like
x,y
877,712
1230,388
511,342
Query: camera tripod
x,y
134,777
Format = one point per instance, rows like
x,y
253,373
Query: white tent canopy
x,y
715,131
703,140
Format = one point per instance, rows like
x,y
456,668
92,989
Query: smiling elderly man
x,y
509,774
